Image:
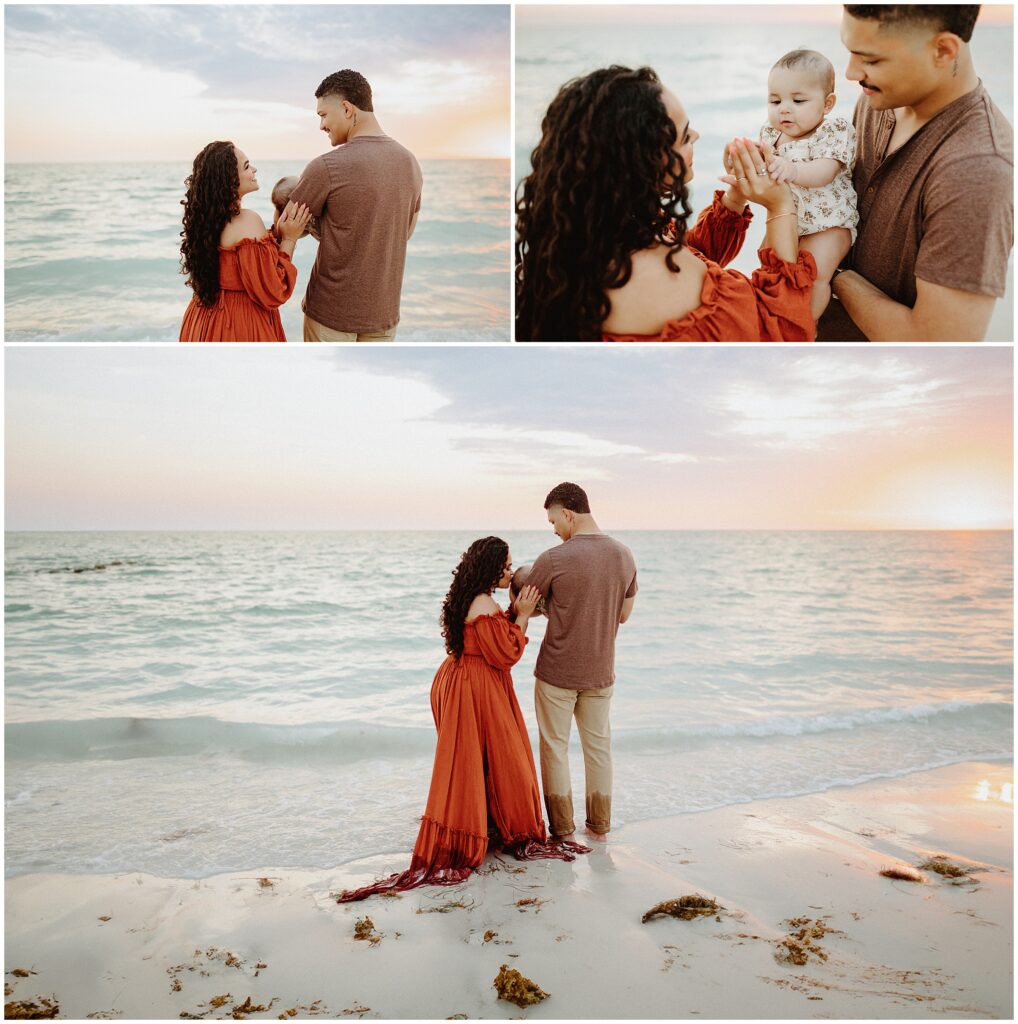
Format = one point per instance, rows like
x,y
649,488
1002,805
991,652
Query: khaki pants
x,y
556,708
314,331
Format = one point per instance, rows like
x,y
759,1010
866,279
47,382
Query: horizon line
x,y
622,529
269,159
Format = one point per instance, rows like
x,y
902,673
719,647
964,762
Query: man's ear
x,y
946,49
349,109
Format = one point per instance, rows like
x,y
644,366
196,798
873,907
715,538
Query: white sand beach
x,y
136,946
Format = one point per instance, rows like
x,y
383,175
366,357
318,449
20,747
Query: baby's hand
x,y
782,170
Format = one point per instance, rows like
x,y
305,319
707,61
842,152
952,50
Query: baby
x,y
519,581
281,196
814,155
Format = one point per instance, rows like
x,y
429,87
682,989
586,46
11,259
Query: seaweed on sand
x,y
514,988
903,873
27,1009
942,866
685,908
364,929
802,943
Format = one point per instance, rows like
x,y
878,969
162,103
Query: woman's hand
x,y
746,163
293,220
526,601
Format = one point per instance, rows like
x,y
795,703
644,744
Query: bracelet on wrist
x,y
778,216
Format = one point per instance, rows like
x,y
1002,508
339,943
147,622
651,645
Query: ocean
x,y
92,252
719,72
214,702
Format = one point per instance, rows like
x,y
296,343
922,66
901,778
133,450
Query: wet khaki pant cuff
x,y
556,707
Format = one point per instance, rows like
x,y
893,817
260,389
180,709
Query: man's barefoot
x,y
601,837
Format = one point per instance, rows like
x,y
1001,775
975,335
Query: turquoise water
x,y
719,72
274,686
92,252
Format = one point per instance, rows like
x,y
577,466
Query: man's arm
x,y
313,187
630,599
541,573
939,314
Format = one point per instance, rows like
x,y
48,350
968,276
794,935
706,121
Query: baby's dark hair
x,y
957,18
811,61
281,191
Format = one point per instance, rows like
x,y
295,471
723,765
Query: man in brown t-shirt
x,y
934,175
365,195
589,585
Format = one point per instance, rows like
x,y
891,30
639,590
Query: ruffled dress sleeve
x,y
719,232
834,140
266,272
782,291
501,642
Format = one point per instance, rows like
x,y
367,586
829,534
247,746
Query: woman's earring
x,y
954,73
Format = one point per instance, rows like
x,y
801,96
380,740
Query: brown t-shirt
x,y
939,207
585,580
365,194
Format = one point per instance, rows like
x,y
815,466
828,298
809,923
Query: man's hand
x,y
939,314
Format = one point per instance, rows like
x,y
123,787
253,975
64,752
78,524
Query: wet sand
x,y
806,926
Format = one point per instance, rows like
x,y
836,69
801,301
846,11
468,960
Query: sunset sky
x,y
734,14
398,438
125,83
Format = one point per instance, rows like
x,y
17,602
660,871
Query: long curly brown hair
x,y
211,201
606,182
481,567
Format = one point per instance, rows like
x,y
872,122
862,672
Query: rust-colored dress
x,y
772,305
255,278
483,785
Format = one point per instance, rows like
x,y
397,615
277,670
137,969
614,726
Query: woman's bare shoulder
x,y
483,604
247,224
654,294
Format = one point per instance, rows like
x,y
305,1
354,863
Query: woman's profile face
x,y
507,572
685,137
247,173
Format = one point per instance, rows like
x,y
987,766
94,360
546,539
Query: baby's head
x,y
519,581
281,196
801,92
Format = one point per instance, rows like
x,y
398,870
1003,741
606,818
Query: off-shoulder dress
x,y
255,278
771,305
483,785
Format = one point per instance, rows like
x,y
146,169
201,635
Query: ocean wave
x,y
804,725
345,742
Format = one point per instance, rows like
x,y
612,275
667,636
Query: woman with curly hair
x,y
239,273
604,248
483,784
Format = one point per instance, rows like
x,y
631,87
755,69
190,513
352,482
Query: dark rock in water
x,y
98,567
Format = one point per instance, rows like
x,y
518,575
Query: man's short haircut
x,y
349,85
810,61
957,18
570,496
281,191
